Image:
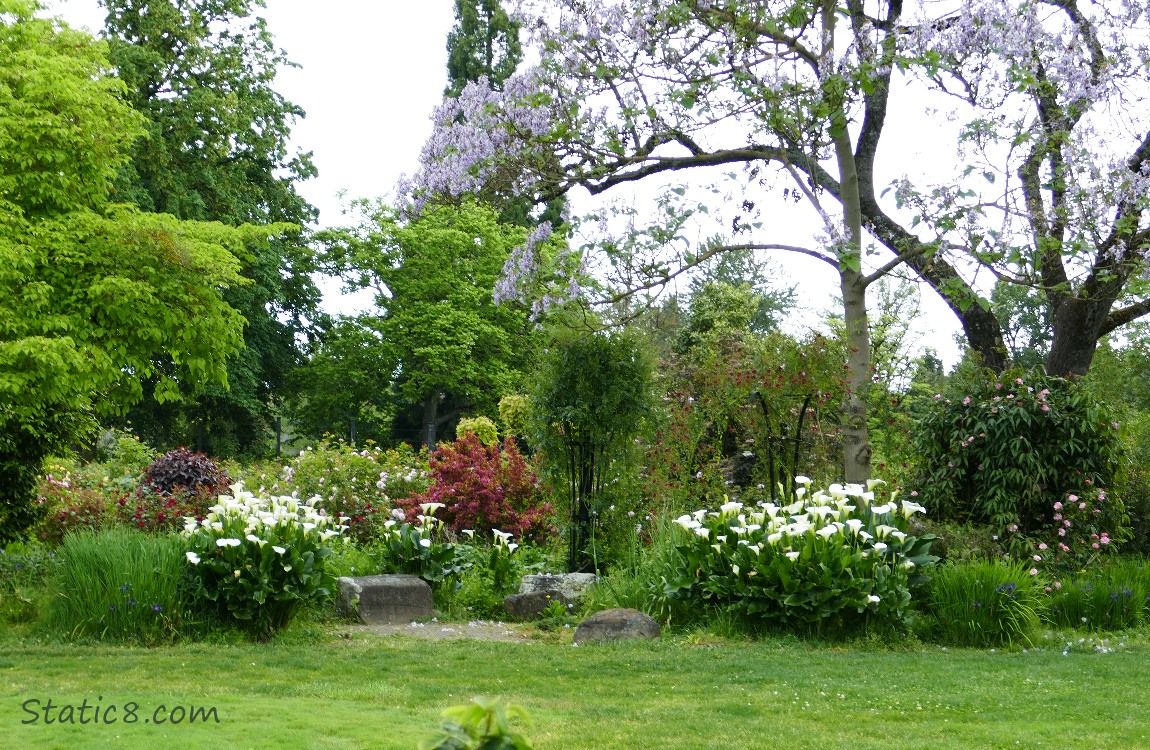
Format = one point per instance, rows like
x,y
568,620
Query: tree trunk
x,y
430,419
1078,324
856,438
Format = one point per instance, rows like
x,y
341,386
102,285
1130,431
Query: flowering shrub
x,y
827,560
258,559
64,507
149,510
1078,534
1007,449
357,484
482,488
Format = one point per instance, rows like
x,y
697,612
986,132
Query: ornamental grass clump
x,y
257,560
1114,597
986,603
118,585
829,561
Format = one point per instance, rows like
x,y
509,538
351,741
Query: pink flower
x,y
1042,546
1067,523
938,397
966,401
1057,516
1072,499
1018,380
1094,545
998,386
1038,558
1105,540
914,493
1045,407
1082,506
1058,506
1063,547
1034,571
1057,584
1012,528
1062,532
1046,589
1114,425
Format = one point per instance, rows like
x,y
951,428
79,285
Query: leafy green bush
x,y
480,725
482,427
829,561
119,585
1003,450
257,560
358,484
24,570
1111,598
986,603
1082,531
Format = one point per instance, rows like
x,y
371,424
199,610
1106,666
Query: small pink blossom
x,y
914,493
1038,558
1062,532
1058,506
1072,499
1094,545
998,386
1018,380
1081,506
966,401
1105,540
1042,546
1058,584
1012,528
1045,407
1034,571
938,397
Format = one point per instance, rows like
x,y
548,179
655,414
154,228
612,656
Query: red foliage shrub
x,y
484,488
149,510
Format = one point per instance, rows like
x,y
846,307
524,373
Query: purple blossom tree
x,y
628,91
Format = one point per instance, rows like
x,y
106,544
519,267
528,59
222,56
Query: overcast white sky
x,y
371,71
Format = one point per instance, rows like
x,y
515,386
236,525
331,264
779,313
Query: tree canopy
x,y
92,293
216,148
434,278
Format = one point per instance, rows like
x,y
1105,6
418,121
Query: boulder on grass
x,y
385,600
530,606
616,625
571,585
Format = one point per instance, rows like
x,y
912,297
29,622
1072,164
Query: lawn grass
x,y
375,692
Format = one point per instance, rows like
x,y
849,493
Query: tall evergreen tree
x,y
483,43
216,148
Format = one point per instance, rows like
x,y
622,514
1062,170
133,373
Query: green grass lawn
x,y
372,692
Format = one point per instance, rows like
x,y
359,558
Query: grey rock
x,y
530,606
571,585
385,600
616,625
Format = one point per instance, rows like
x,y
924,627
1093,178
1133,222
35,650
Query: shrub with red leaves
x,y
483,488
182,468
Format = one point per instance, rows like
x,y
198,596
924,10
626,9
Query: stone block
x,y
530,606
616,625
571,585
387,599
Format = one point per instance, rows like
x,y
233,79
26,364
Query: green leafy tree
x,y
216,148
345,382
434,279
92,293
591,396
